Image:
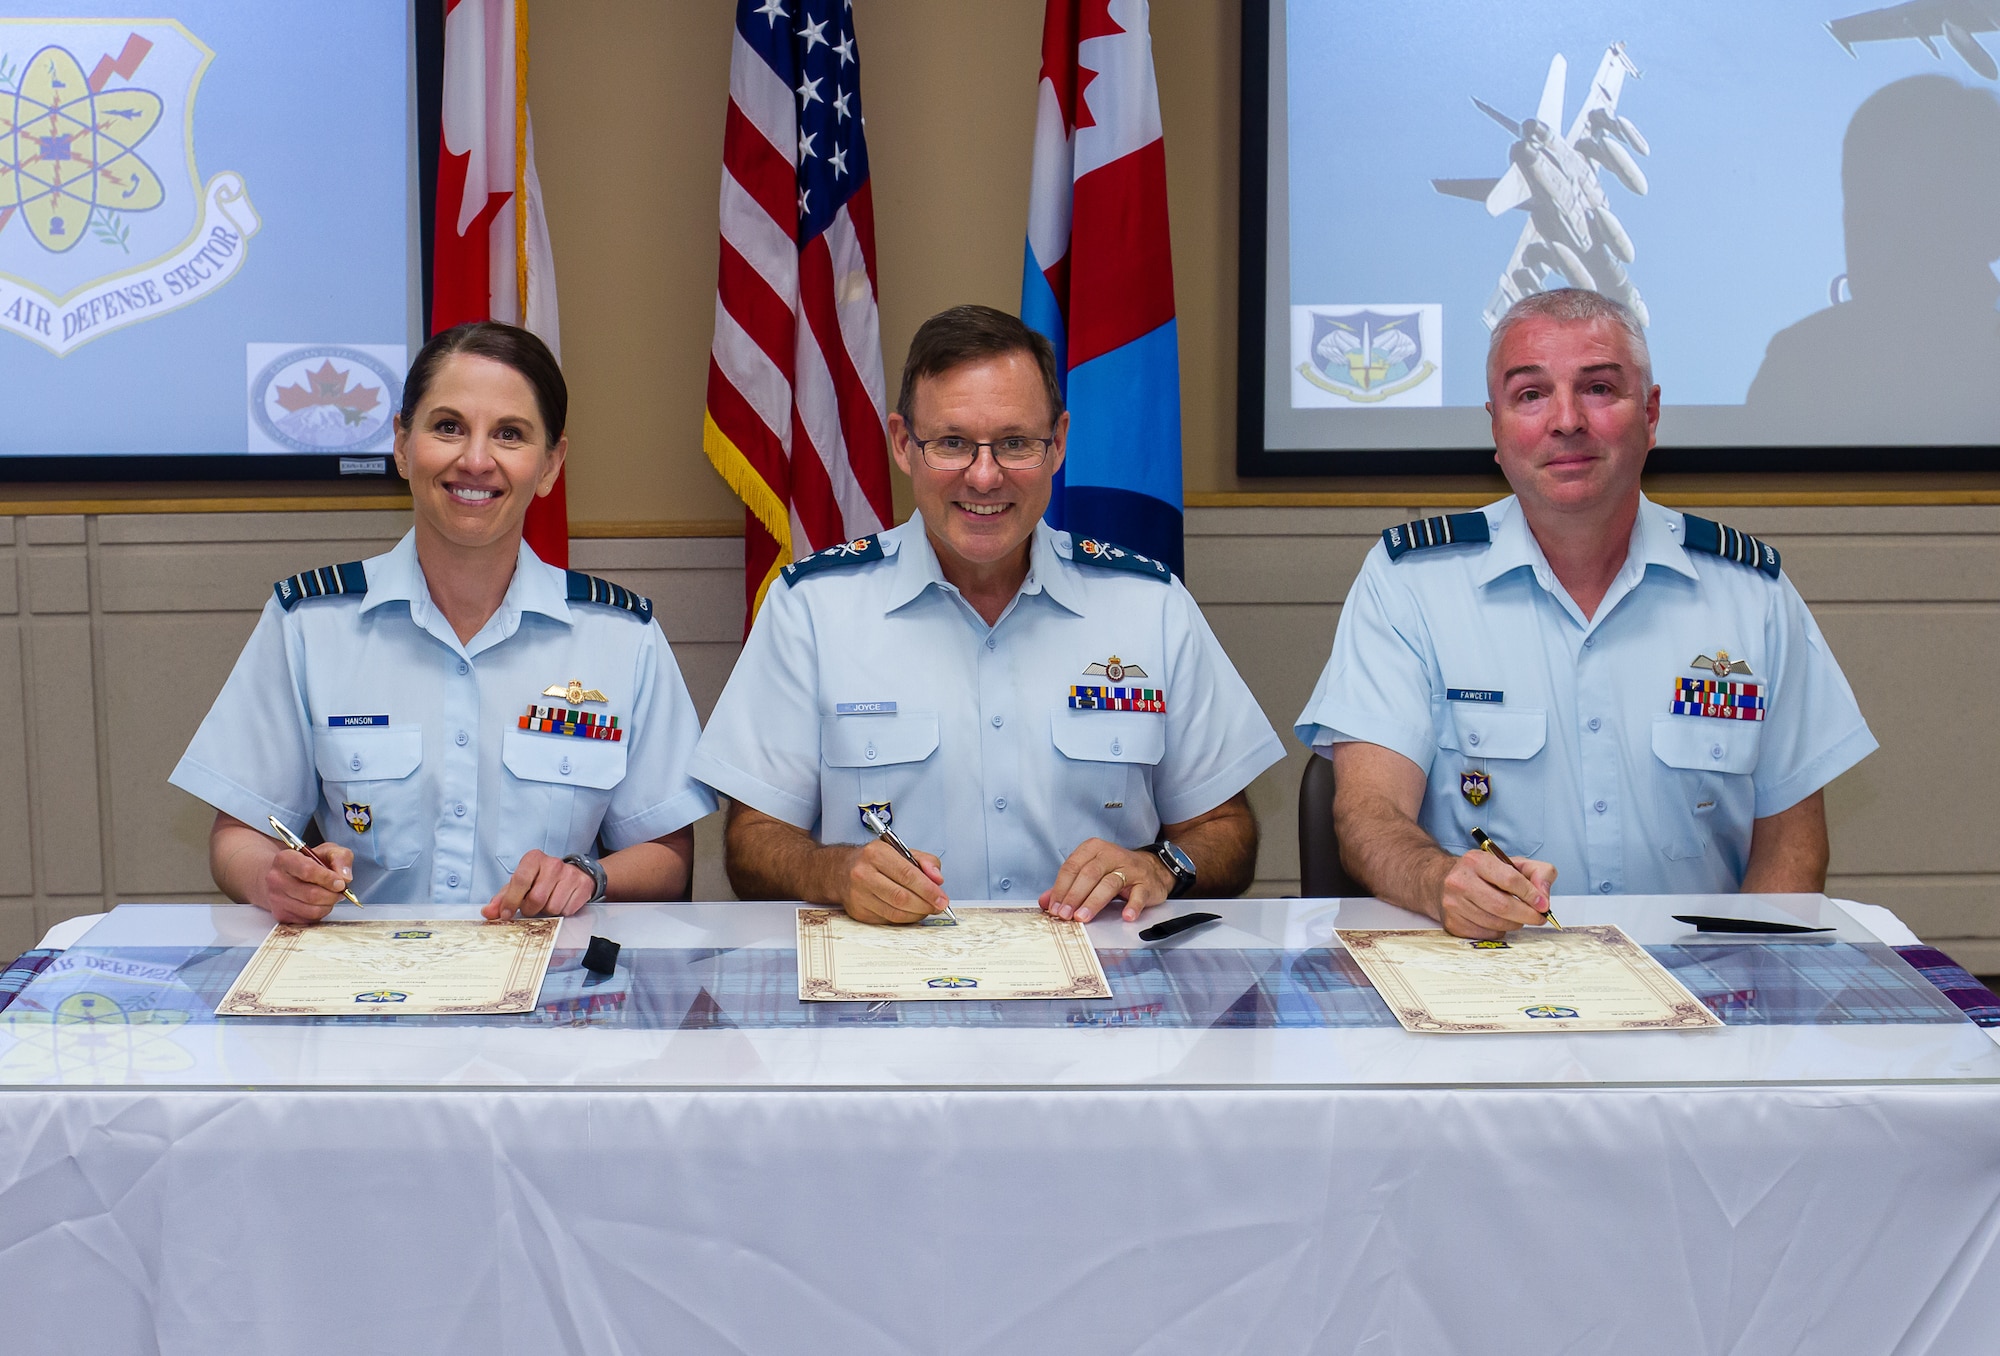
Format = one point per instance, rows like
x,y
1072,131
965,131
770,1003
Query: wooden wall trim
x,y
1671,497
298,503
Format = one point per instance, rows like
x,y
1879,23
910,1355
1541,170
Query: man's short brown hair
x,y
970,334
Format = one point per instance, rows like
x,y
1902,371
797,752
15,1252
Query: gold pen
x,y
875,824
292,840
1479,837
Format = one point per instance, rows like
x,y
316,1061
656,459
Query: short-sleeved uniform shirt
x,y
1610,746
363,711
1099,705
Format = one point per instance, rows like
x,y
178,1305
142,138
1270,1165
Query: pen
x,y
292,840
1479,837
874,823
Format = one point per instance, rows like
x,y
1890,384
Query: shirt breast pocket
x,y
1707,755
1495,747
1109,760
877,760
561,790
374,771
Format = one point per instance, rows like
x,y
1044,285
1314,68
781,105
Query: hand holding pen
x,y
307,911
1487,894
889,883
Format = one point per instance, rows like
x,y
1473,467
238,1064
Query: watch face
x,y
1176,860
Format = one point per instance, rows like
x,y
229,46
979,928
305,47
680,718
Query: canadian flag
x,y
491,259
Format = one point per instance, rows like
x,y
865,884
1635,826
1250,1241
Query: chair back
x,y
1321,876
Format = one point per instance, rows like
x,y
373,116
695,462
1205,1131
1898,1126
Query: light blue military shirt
x,y
363,710
1471,660
869,680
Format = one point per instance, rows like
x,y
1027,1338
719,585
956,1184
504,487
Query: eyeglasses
x,y
953,453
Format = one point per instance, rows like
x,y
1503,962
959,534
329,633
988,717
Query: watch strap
x,y
1173,858
600,884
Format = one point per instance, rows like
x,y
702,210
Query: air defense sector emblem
x,y
1366,356
103,220
359,817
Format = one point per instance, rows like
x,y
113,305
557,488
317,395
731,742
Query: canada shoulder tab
x,y
833,557
327,581
1111,556
588,588
1456,529
1704,534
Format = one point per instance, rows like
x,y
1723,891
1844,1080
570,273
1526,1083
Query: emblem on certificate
x,y
1721,665
574,692
1475,786
359,817
880,809
1116,669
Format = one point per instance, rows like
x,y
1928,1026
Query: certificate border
x,y
818,982
536,943
1684,1010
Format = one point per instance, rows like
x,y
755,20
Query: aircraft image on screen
x,y
1953,20
1572,238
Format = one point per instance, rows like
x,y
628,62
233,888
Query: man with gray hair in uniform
x,y
1628,699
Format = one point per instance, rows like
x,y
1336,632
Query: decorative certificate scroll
x,y
1538,979
991,954
375,969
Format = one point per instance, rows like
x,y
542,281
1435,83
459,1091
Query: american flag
x,y
796,419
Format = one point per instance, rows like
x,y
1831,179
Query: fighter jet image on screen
x,y
1953,20
1572,239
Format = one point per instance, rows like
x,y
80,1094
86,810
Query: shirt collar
x,y
1656,540
917,565
397,576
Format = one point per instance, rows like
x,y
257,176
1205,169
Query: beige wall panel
x,y
1916,568
63,760
1295,522
6,531
55,529
711,874
604,555
161,675
10,573
18,927
1274,569
1780,523
58,579
1937,908
705,667
303,529
218,576
1919,802
17,876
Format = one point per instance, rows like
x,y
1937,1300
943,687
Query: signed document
x,y
1539,979
992,953
346,969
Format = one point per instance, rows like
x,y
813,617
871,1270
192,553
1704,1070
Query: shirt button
x,y
452,880
563,767
1589,641
870,751
1595,724
1715,752
463,666
459,809
990,642
1599,807
1473,739
355,764
1116,748
461,739
999,802
1006,883
1604,887
998,721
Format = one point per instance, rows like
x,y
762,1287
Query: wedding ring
x,y
1114,871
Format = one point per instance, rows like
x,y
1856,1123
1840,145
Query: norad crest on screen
x,y
1367,357
324,397
104,221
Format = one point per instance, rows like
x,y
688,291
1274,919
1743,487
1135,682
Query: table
x,y
1238,1152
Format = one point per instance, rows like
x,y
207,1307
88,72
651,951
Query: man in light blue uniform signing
x,y
1627,699
1038,718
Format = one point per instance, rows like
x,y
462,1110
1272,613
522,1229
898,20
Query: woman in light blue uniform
x,y
464,723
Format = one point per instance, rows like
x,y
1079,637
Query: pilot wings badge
x,y
1721,665
574,692
1115,669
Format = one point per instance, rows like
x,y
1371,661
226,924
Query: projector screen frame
x,y
1255,460
427,92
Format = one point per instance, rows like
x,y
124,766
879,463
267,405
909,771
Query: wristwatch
x,y
599,885
1178,866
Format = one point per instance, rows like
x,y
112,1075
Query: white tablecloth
x,y
762,1215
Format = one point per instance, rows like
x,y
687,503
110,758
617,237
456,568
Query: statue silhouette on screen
x,y
1914,356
